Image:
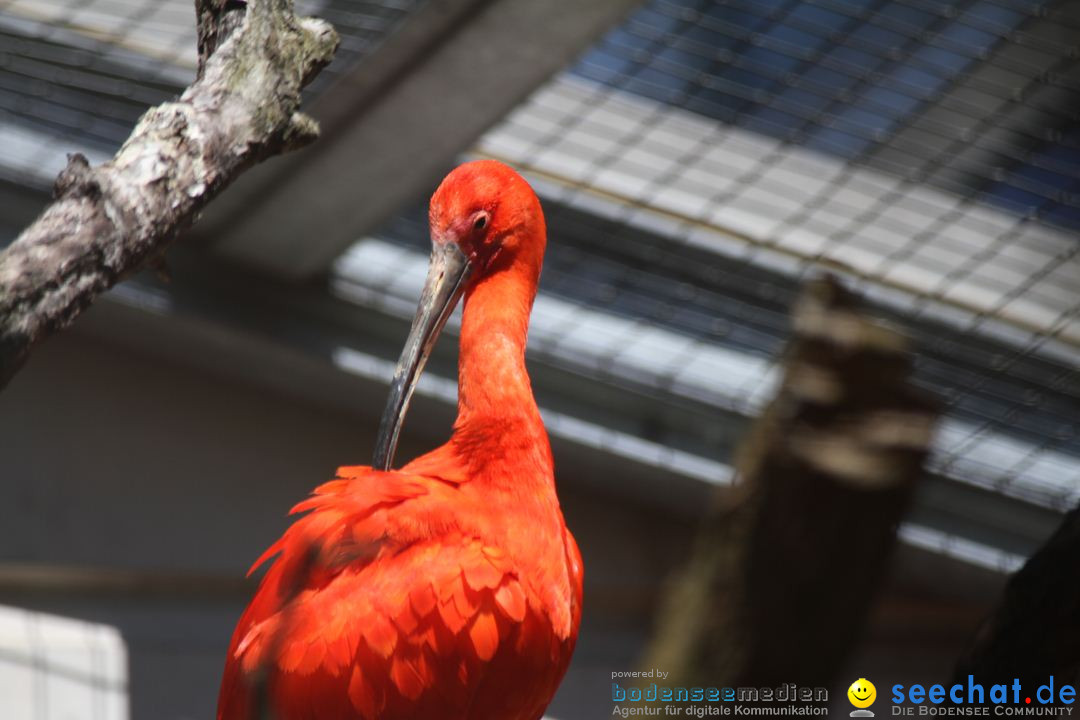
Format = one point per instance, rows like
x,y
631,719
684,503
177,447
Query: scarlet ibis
x,y
451,588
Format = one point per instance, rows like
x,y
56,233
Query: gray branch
x,y
110,220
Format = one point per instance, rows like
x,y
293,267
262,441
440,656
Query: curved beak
x,y
448,273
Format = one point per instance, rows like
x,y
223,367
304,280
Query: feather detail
x,y
340,652
511,600
451,616
466,601
482,574
405,619
363,695
269,553
423,599
484,634
381,635
408,680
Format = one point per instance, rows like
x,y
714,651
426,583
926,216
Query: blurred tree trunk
x,y
108,221
787,563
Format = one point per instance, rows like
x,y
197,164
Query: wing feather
x,y
511,600
484,634
405,628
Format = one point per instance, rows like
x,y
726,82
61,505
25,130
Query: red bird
x,y
451,588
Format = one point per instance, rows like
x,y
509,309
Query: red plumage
x,y
450,589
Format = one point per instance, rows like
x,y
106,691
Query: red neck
x,y
495,402
492,381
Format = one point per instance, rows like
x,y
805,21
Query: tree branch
x,y
787,563
215,21
108,221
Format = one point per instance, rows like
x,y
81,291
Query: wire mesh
x,y
811,105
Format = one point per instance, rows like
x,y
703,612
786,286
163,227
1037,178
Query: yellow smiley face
x,y
862,693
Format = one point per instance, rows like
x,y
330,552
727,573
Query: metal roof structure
x,y
697,159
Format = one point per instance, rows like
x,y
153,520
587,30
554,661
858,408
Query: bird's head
x,y
491,215
484,219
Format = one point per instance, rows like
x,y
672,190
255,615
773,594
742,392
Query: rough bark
x,y
1034,631
786,564
108,221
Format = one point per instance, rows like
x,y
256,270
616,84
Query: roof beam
x,y
288,340
395,124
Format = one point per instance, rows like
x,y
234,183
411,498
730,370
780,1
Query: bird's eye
x,y
480,222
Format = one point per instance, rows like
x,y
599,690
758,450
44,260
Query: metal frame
x,y
288,339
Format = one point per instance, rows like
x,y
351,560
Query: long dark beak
x,y
447,276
